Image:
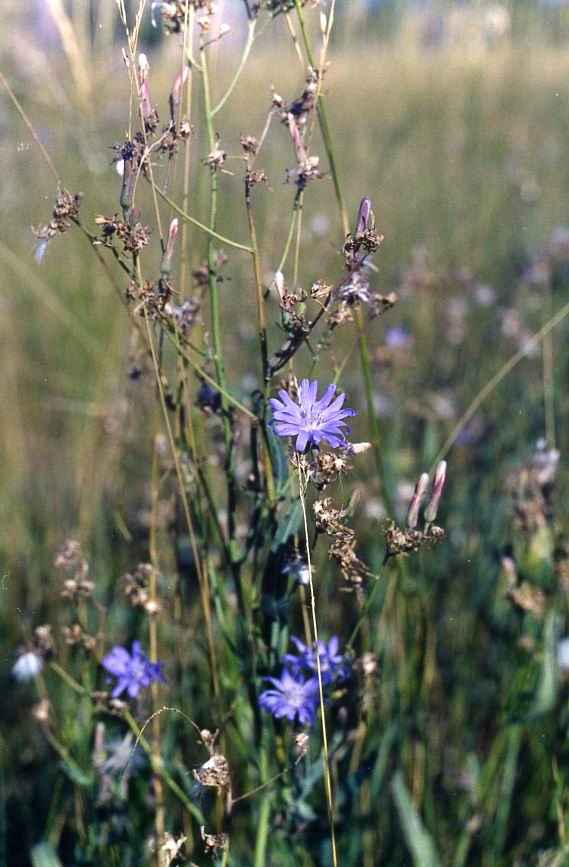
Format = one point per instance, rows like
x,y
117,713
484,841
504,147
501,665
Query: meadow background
x,y
456,123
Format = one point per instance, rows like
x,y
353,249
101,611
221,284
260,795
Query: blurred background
x,y
454,118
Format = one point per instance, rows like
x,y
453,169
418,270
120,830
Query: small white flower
x,y
27,666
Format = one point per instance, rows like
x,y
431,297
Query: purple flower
x,y
133,671
311,420
293,697
332,664
397,337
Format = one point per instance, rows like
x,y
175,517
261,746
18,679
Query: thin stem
x,y
207,229
487,390
216,337
202,578
203,375
240,68
327,775
153,628
30,126
363,614
159,769
269,484
324,124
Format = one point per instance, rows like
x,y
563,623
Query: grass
x,y
463,152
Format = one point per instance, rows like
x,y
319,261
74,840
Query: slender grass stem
x,y
207,229
202,578
240,68
325,756
207,378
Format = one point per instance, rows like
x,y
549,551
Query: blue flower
x,y
311,420
293,697
132,671
397,337
333,665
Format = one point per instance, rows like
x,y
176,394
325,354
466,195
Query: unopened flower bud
x,y
364,214
279,284
432,508
359,448
144,95
127,189
166,263
416,500
298,144
176,92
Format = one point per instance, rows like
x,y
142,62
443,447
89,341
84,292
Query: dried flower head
x,y
214,772
43,640
216,159
216,844
404,542
69,558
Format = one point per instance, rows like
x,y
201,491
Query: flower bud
x,y
279,284
166,263
365,215
416,500
127,189
144,92
432,508
176,92
299,149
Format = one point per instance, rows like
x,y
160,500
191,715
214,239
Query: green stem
x,y
216,337
240,68
201,373
362,342
363,614
264,816
324,124
161,771
70,681
207,229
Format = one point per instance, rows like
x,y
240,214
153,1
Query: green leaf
x,y
289,525
549,679
279,461
44,855
418,839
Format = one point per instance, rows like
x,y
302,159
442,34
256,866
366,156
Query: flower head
x,y
27,666
293,697
311,420
333,665
132,671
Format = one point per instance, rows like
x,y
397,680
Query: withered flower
x,y
216,844
214,772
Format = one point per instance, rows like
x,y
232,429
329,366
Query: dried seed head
x,y
43,640
416,500
214,772
214,843
208,739
438,484
301,743
69,558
